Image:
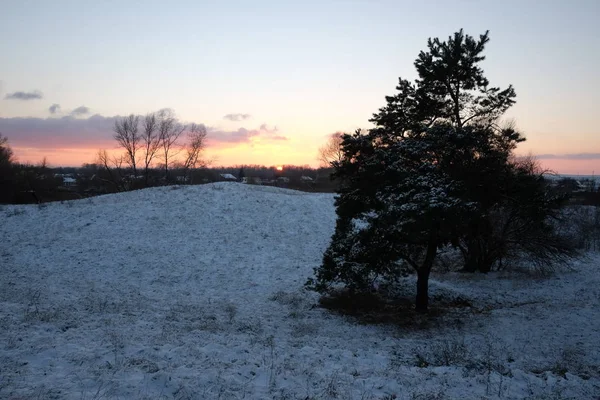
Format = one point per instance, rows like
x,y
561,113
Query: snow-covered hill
x,y
197,292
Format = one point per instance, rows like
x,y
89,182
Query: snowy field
x,y
197,293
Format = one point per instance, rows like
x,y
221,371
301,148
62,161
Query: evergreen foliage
x,y
436,170
6,153
6,171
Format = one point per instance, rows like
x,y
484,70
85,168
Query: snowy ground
x,y
196,293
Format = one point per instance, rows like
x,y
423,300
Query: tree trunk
x,y
479,256
486,263
146,175
471,263
422,302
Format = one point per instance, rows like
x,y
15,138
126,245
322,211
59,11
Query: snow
x,y
197,292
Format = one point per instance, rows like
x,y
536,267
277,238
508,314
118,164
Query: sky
x,y
272,79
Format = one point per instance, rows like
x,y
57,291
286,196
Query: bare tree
x,y
169,131
43,164
112,168
193,148
151,141
126,134
331,152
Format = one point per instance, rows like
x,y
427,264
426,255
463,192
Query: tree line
x,y
23,182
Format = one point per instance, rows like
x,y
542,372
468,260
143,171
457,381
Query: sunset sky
x,y
272,79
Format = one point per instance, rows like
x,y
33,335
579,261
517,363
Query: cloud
x,y
96,131
82,110
65,132
54,108
243,135
237,117
25,96
572,156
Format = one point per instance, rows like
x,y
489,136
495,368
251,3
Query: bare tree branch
x,y
331,151
169,131
126,134
151,142
194,147
114,177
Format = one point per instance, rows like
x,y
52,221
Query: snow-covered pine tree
x,y
426,176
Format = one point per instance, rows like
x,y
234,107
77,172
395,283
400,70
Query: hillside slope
x,y
196,292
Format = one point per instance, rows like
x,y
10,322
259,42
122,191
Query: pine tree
x,y
426,176
6,153
7,184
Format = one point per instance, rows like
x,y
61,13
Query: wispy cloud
x,y
25,96
54,108
82,110
237,117
572,156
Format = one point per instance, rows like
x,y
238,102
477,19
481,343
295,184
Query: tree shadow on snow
x,y
384,309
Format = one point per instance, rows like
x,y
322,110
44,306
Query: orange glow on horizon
x,y
267,154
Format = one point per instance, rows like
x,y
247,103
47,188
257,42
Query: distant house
x,y
306,178
182,179
228,177
283,179
252,180
69,182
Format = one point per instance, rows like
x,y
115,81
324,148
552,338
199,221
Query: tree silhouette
x,y
427,176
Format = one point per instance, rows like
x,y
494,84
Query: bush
x,y
444,353
582,226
